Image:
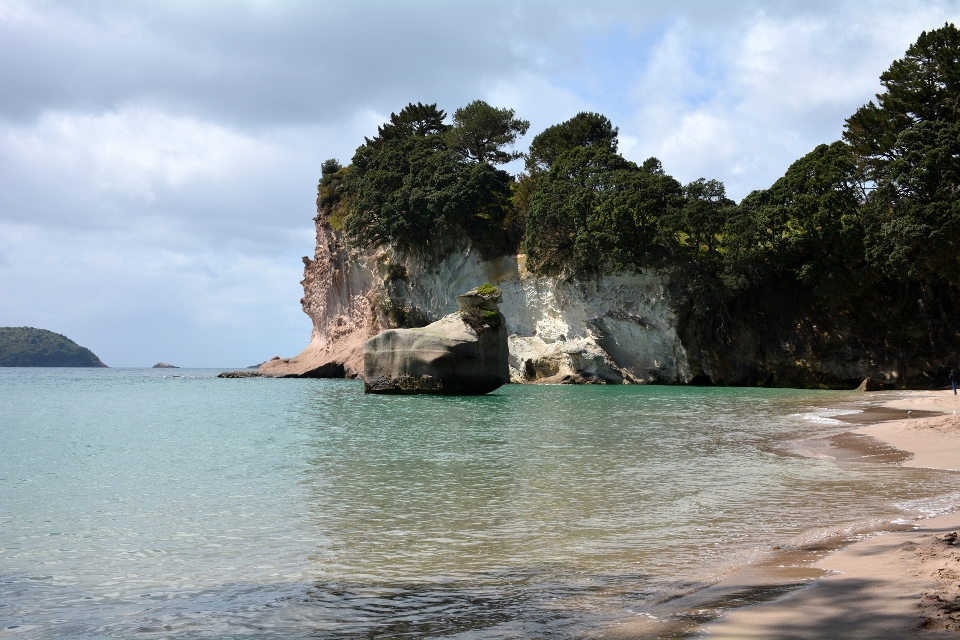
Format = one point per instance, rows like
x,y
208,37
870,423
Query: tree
x,y
413,120
807,223
330,191
908,146
595,211
583,130
697,226
407,188
480,132
914,213
923,86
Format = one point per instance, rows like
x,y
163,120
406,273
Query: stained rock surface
x,y
464,353
614,329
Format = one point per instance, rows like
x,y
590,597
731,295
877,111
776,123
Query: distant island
x,y
30,347
164,365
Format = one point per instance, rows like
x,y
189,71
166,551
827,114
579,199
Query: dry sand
x,y
902,584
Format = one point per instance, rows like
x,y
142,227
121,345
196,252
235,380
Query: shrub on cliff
x,y
330,193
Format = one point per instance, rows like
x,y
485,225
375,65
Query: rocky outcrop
x,y
164,365
869,384
242,374
613,329
464,353
616,328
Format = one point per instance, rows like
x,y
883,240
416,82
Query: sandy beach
x,y
900,584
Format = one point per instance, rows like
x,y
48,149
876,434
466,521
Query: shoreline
x,y
897,584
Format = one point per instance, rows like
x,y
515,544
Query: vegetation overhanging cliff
x,y
845,267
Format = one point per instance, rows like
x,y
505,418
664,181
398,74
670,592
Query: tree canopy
x,y
866,228
923,86
881,205
480,133
583,130
409,187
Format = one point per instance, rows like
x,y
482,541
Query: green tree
x,y
808,223
696,228
595,211
914,213
408,188
923,86
480,133
583,130
330,192
413,120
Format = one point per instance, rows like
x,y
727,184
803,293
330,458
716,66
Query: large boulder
x,y
464,353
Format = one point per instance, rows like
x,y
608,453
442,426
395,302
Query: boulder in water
x,y
464,353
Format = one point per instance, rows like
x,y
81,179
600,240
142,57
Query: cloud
x,y
249,63
133,151
740,99
160,160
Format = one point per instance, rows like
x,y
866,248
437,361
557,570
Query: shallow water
x,y
175,504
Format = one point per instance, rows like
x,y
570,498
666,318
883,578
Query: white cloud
x,y
739,100
133,150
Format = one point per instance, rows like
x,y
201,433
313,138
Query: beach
x,y
900,584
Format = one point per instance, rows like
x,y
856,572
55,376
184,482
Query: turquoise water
x,y
175,504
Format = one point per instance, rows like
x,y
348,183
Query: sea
x,y
168,503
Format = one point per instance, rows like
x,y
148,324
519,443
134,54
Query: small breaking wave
x,y
826,416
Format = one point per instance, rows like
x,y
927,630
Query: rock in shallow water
x,y
464,353
242,374
869,384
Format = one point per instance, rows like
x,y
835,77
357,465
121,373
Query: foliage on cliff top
x,y
420,182
583,130
481,133
30,347
852,230
879,207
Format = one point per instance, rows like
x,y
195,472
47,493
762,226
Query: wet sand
x,y
901,584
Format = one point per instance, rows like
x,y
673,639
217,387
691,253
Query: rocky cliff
x,y
616,329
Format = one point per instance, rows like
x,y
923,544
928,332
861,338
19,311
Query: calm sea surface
x,y
170,503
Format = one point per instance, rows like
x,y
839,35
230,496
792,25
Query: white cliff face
x,y
615,328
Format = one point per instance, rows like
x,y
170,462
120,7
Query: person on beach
x,y
953,380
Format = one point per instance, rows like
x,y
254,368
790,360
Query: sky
x,y
159,160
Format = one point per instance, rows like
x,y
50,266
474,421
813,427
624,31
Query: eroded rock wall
x,y
612,329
